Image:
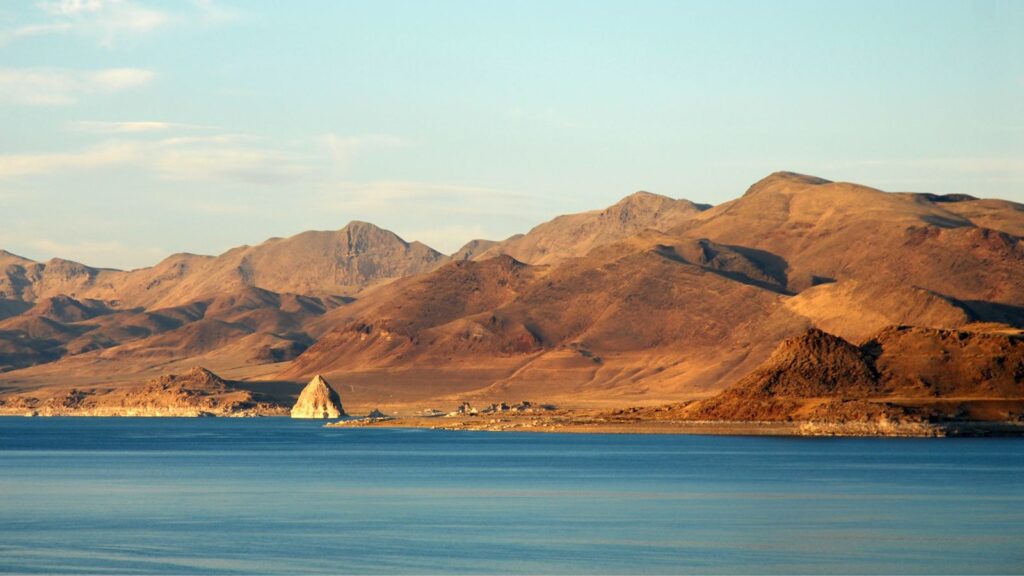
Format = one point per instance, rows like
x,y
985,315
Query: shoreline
x,y
568,422
586,425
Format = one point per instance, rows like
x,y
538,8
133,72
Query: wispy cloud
x,y
188,152
61,86
136,127
225,159
188,158
110,154
33,30
107,22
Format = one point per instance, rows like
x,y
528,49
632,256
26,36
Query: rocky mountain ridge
x,y
652,300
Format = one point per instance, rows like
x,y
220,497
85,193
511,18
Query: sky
x,y
130,130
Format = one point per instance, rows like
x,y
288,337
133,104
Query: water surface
x,y
223,496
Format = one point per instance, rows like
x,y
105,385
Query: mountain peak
x,y
649,200
641,195
362,225
785,179
5,255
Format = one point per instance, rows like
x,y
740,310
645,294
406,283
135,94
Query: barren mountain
x,y
826,231
628,312
274,327
577,234
652,300
312,263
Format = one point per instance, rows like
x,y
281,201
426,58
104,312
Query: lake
x,y
224,496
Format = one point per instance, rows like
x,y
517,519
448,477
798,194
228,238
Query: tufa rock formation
x,y
318,400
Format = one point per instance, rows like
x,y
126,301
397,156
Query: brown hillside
x,y
828,231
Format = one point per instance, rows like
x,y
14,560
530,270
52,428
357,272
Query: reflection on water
x,y
283,496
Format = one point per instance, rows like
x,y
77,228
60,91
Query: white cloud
x,y
104,21
117,79
137,127
219,157
209,159
71,7
111,154
61,86
33,30
154,147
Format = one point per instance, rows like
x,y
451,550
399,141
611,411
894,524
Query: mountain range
x,y
650,301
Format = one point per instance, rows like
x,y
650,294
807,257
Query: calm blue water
x,y
283,496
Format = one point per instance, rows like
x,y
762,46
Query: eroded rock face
x,y
318,400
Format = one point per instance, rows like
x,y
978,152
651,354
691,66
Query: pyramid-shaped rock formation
x,y
318,400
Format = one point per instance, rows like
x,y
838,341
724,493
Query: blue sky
x,y
130,130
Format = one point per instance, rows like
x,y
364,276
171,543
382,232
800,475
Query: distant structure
x,y
318,400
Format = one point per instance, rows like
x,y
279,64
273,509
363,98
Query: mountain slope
x,y
826,231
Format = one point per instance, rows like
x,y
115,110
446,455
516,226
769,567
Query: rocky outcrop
x,y
197,392
814,365
318,400
904,376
